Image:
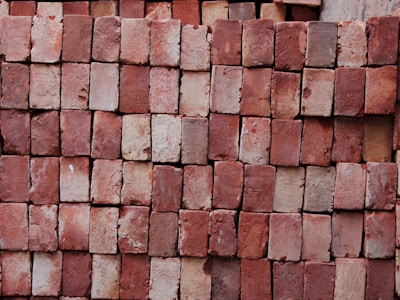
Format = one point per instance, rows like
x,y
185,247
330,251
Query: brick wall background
x,y
151,158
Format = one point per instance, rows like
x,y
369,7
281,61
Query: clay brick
x,y
285,237
45,134
47,273
187,11
106,270
137,183
226,42
352,44
104,91
195,278
397,160
212,10
73,226
22,8
14,85
164,90
77,38
106,136
44,172
252,235
74,179
165,276
225,278
167,188
319,189
49,9
76,8
103,235
194,96
256,92
285,95
165,43
43,220
195,48
135,40
106,182
197,187
345,242
301,2
316,242
103,8
15,132
75,132
321,44
14,226
304,13
44,87
289,184
16,45
131,9
166,138
135,276
135,143
222,232
133,226
378,136
193,233
163,234
396,128
397,212
134,89
273,11
350,278
228,184
375,287
347,139
77,268
106,38
242,11
380,90
257,41
284,272
75,86
290,46
158,11
16,273
223,137
194,140
255,279
319,280
4,11
14,179
285,142
383,36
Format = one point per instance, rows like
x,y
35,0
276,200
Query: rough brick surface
x,y
228,184
45,135
187,11
14,86
106,39
163,234
193,233
75,86
106,271
348,134
135,275
103,235
350,278
316,242
195,48
212,10
165,274
14,226
43,228
14,180
104,87
194,141
164,90
223,233
135,144
378,136
319,189
194,94
16,132
74,179
45,173
255,279
135,34
167,188
44,91
197,187
47,273
166,138
285,95
284,272
75,132
18,42
226,43
225,278
319,280
16,273
77,268
195,278
289,184
76,8
352,43
106,189
242,11
137,183
376,288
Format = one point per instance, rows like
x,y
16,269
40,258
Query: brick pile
x,y
152,159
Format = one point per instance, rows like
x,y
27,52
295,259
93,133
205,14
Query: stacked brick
x,y
152,159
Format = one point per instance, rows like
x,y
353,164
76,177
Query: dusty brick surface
x,y
316,242
166,138
106,39
255,279
137,183
106,271
16,273
285,95
43,228
103,235
75,86
242,11
14,86
195,278
378,139
350,278
167,188
226,42
77,268
74,179
45,133
163,234
18,42
45,174
16,132
136,136
195,48
14,223
319,189
348,135
197,187
289,184
164,90
165,275
194,94
212,10
319,280
104,91
284,272
14,180
135,34
106,189
47,273
194,140
135,275
352,43
44,91
223,233
75,132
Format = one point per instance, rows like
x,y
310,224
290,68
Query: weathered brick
x,y
134,89
378,136
225,278
316,242
345,242
284,272
44,89
75,86
16,44
14,226
347,139
4,11
197,187
77,268
228,184
135,276
47,273
106,38
104,91
163,234
75,132
352,44
103,8
167,188
226,42
106,271
135,40
49,9
376,288
135,143
74,179
195,278
14,86
301,2
187,11
212,10
45,173
193,233
158,11
397,212
76,8
131,9
45,134
194,140
164,90
165,274
285,95
22,8
255,280
319,280
252,235
103,235
106,182
43,220
242,11
397,160
16,273
289,184
396,128
195,48
15,131
137,183
319,189
304,13
194,96
14,179
273,11
165,138
350,278
222,232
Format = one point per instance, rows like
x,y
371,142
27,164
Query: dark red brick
x,y
253,235
285,95
75,128
242,11
319,280
347,139
77,269
14,179
378,269
167,188
193,233
256,283
14,86
76,8
163,234
45,134
45,173
225,278
187,11
283,273
135,276
131,9
15,131
226,43
14,226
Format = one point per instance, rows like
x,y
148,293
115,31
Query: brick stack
x,y
151,159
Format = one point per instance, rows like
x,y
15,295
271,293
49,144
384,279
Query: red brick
x,y
212,10
289,184
104,92
194,141
135,35
256,92
259,185
242,11
197,187
285,142
75,86
352,44
15,273
345,242
311,3
106,138
103,235
76,8
133,226
321,44
255,279
226,43
134,89
187,11
106,182
397,212
106,271
49,9
45,134
23,8
377,288
285,95
43,220
225,278
167,188
378,136
304,13
15,131
195,48
135,276
193,233
75,132
258,41
158,11
319,189
317,141
14,179
73,226
16,44
283,273
194,96
347,139
164,90
195,278
165,276
47,273
15,85
396,128
106,38
45,173
77,38
74,179
135,144
222,232
77,268
350,278
290,46
228,184
273,11
319,280
44,86
252,235
316,242
383,36
166,137
137,183
131,9
163,234
103,8
14,226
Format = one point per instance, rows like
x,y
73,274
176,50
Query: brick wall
x,y
149,158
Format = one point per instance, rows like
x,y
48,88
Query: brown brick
x,y
226,42
137,183
14,86
135,35
16,274
187,11
43,220
131,9
75,132
15,131
103,235
289,184
135,276
75,86
163,234
193,233
77,268
103,8
194,141
319,280
106,182
222,232
347,139
197,187
242,11
376,288
212,10
76,8
14,226
284,272
45,173
106,38
253,235
321,44
167,188
285,95
228,184
225,278
273,11
14,179
378,136
45,134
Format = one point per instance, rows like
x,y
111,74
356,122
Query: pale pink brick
x,y
135,143
345,242
228,184
106,181
285,95
352,43
43,220
47,273
49,9
106,271
75,86
158,11
165,274
106,38
135,41
165,138
44,90
319,189
194,141
316,242
350,278
194,94
16,273
195,48
104,92
197,187
164,90
45,174
167,188
103,235
193,233
195,280
13,226
14,179
212,10
16,38
4,8
223,233
289,184
137,183
74,179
